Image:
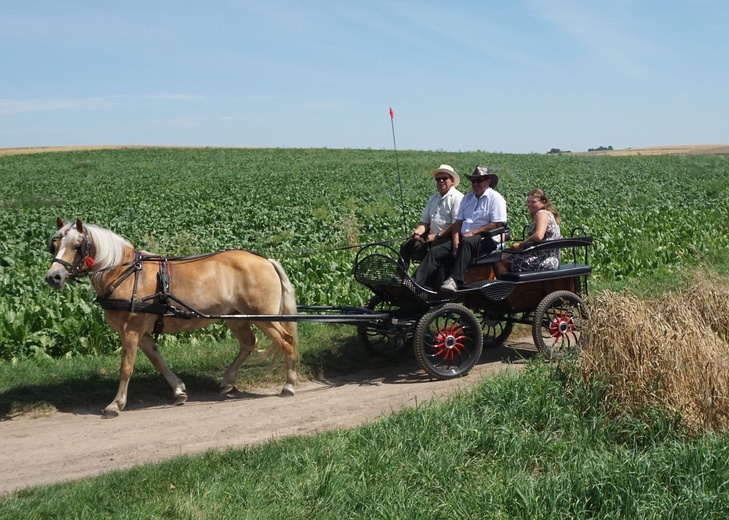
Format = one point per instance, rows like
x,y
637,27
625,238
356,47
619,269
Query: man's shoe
x,y
449,285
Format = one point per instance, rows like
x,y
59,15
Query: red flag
x,y
392,114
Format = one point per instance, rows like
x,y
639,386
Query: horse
x,y
144,294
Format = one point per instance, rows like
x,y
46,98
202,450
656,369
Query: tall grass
x,y
668,352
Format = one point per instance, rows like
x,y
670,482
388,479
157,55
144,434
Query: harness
x,y
166,305
162,307
161,303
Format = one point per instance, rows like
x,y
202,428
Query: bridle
x,y
75,269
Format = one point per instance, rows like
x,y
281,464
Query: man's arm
x,y
456,229
483,229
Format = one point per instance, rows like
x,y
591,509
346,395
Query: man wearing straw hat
x,y
482,210
438,216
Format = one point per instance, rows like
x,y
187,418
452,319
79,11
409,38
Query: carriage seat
x,y
563,271
490,257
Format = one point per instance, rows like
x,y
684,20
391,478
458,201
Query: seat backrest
x,y
486,255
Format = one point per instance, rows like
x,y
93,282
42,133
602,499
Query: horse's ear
x,y
59,222
79,225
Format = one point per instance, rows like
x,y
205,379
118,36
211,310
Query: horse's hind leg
x,y
286,341
247,342
149,347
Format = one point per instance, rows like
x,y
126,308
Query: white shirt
x,y
441,212
477,212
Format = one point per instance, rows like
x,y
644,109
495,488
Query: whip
x,y
397,165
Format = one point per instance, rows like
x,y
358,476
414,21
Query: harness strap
x,y
164,285
134,268
117,304
168,311
137,270
162,308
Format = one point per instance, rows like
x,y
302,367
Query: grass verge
x,y
526,445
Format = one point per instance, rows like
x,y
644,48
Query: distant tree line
x,y
600,149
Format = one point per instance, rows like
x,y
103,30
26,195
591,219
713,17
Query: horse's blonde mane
x,y
110,247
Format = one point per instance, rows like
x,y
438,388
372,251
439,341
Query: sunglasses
x,y
478,181
441,179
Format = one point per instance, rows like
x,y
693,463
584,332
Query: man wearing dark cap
x,y
482,209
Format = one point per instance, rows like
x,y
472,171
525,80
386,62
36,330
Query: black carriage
x,y
448,331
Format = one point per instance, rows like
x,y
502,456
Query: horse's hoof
x,y
110,412
287,391
226,389
181,398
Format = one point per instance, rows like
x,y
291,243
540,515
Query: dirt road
x,y
79,443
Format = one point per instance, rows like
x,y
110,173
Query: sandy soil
x,y
79,443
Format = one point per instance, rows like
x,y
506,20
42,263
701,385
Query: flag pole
x,y
399,179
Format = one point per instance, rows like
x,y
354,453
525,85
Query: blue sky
x,y
515,76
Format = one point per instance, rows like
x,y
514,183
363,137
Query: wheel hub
x,y
449,341
561,325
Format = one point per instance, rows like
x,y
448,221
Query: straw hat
x,y
448,169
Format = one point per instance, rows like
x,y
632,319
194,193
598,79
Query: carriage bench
x,y
481,267
563,271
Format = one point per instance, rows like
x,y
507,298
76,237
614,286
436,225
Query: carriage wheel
x,y
383,339
448,341
559,323
496,329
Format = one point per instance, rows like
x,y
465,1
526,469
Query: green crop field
x,y
648,215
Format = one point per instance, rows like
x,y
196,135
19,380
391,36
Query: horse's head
x,y
71,249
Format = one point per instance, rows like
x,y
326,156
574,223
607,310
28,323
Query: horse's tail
x,y
288,303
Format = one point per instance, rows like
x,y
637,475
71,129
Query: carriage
x,y
144,294
448,331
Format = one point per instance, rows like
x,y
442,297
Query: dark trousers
x,y
442,256
412,249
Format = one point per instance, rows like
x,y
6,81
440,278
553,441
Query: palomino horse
x,y
137,290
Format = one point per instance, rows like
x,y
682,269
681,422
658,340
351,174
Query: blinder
x,y
84,248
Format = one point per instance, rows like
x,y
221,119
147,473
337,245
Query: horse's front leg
x,y
149,347
130,342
